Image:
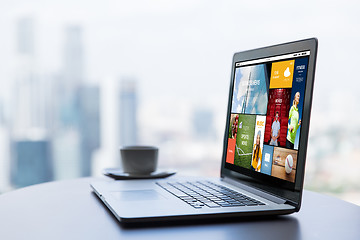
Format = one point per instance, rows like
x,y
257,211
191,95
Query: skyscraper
x,y
128,130
78,111
30,143
66,150
25,36
89,118
72,77
4,158
32,93
26,113
31,162
203,124
73,57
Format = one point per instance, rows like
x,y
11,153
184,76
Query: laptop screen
x,y
266,113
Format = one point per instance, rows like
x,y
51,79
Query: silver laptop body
x,y
264,150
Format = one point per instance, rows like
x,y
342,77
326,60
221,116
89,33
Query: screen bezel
x,y
289,191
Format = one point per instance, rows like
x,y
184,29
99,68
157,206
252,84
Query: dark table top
x,y
70,210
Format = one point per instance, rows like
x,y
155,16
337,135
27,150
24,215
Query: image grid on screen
x,y
266,112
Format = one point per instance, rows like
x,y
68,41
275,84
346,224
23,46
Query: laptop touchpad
x,y
137,195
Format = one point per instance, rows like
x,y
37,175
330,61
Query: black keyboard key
x,y
226,205
238,204
251,204
212,204
207,194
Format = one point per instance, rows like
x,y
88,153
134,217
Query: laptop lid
x,y
268,118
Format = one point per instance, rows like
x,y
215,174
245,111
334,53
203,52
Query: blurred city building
x,y
89,127
78,106
4,158
67,154
32,161
63,107
203,124
71,77
30,143
73,58
25,31
128,130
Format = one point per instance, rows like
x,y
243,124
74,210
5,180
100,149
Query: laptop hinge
x,y
255,191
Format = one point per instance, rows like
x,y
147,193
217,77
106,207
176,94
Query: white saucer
x,y
118,174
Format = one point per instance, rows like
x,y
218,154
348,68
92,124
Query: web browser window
x,y
266,112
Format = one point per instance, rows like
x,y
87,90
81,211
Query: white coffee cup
x,y
139,159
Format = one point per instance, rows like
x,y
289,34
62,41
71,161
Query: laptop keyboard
x,y
201,194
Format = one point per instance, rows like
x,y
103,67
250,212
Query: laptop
x,y
264,147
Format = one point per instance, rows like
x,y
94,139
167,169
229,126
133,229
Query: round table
x,y
70,210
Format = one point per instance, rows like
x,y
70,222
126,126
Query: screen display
x,y
266,112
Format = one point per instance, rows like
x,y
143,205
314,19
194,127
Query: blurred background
x,y
81,78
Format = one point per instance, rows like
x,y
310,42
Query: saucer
x,y
118,174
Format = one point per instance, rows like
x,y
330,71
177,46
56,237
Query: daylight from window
x,y
82,78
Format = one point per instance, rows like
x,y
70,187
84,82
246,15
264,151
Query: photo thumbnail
x,y
284,164
282,74
233,128
297,102
267,159
250,90
256,159
244,141
277,117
